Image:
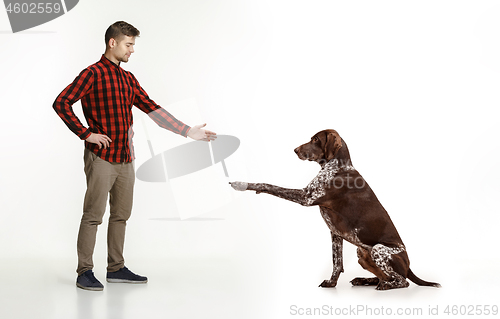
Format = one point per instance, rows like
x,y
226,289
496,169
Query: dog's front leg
x,y
295,195
338,266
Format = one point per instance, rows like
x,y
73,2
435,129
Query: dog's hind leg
x,y
338,267
365,281
387,263
393,263
366,261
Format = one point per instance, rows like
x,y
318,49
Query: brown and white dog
x,y
352,212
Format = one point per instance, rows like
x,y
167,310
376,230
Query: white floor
x,y
219,289
235,267
179,289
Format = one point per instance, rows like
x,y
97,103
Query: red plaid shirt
x,y
107,93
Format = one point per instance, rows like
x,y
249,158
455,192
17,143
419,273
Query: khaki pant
x,y
103,178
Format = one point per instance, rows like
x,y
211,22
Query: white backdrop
x,y
412,87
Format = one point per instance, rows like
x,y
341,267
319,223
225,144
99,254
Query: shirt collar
x,y
107,61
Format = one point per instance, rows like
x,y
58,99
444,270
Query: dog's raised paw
x,y
239,186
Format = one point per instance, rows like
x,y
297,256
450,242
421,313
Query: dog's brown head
x,y
323,147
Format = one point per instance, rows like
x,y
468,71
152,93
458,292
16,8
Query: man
x,y
107,93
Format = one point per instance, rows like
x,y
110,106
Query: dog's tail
x,y
421,282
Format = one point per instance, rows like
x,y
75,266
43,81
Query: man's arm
x,y
63,105
166,120
158,114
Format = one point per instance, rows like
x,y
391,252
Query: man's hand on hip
x,y
99,139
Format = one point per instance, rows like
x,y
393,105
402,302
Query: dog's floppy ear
x,y
333,144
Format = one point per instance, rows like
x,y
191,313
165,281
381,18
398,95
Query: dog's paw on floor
x,y
328,283
365,281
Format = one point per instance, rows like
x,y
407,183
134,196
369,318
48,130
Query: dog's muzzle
x,y
299,153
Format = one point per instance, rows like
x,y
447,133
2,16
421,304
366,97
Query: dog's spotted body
x,y
351,211
317,187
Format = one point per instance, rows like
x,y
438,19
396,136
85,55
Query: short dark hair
x,y
120,28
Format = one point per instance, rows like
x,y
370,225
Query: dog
x,y
352,212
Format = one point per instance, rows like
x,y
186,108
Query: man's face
x,y
123,48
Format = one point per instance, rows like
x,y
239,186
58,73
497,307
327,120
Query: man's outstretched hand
x,y
197,133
